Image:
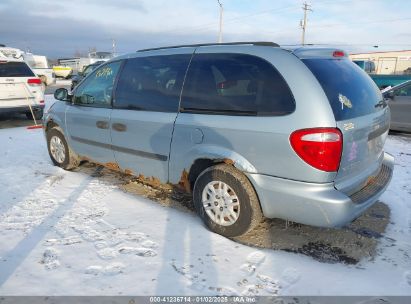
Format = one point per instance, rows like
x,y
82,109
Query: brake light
x,y
41,101
226,84
338,54
319,147
34,81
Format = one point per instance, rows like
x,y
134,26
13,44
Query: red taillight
x,y
319,147
226,84
34,81
338,54
41,101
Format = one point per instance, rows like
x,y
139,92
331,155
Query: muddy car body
x,y
251,129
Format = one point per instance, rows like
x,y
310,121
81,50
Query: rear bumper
x,y
21,109
318,204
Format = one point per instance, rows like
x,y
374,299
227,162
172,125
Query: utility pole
x,y
303,23
220,33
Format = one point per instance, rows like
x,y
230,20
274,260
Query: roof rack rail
x,y
260,43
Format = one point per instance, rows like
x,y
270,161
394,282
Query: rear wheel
x,y
60,153
226,201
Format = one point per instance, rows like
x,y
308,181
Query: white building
x,y
392,62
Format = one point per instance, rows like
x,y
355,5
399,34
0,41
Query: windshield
x,y
89,69
350,91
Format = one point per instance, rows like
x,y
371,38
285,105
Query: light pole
x,y
220,33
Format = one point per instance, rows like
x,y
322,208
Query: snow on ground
x,y
74,233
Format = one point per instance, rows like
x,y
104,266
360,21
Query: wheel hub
x,y
57,149
221,203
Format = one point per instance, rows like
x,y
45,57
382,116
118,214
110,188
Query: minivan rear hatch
x,y
361,115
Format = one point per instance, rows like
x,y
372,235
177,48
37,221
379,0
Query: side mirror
x,y
390,95
62,94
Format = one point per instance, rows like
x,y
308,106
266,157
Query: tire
x,y
68,159
38,114
242,214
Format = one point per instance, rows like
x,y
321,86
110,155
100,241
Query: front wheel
x,y
226,201
60,153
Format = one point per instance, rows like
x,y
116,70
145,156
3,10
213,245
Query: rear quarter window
x,y
15,69
350,91
235,84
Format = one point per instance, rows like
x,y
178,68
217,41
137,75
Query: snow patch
x,y
407,277
291,275
256,257
140,251
50,258
111,269
248,269
107,253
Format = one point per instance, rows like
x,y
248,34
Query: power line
x,y
234,19
362,23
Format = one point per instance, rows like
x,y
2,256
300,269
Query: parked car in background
x,y
62,71
37,63
76,79
384,81
250,129
40,66
77,64
46,75
19,88
399,100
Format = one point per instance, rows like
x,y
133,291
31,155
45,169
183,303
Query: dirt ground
x,y
347,245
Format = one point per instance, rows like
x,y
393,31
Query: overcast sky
x,y
60,28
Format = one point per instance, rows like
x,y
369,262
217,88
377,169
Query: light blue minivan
x,y
250,129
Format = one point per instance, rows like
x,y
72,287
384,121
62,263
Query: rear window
x,y
350,91
235,84
15,69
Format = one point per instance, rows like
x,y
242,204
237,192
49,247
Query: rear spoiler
x,y
305,53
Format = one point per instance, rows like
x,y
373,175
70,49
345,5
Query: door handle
x,y
119,127
101,124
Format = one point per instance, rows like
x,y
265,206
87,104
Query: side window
x,y
97,89
152,83
235,84
404,91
